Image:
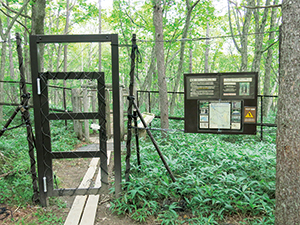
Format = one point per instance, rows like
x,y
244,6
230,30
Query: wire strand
x,y
208,38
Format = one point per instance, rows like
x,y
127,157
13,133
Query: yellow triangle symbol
x,y
249,115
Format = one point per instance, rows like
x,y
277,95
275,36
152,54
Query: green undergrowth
x,y
217,177
15,180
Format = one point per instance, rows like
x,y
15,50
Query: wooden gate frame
x,y
41,112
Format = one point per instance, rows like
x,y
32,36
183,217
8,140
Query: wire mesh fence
x,y
81,106
148,101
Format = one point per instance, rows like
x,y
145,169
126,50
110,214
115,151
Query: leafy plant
x,y
215,175
16,186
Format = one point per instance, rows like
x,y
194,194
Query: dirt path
x,y
76,171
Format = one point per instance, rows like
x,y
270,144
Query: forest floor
x,y
55,213
59,207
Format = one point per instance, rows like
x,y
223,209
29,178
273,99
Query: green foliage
x,y
16,187
62,139
215,175
48,217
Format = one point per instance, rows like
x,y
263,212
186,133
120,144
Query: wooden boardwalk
x,y
84,207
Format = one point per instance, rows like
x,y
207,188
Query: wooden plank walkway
x,y
84,208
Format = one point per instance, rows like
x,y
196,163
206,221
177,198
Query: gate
x,y
43,116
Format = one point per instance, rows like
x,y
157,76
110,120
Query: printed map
x,y
219,115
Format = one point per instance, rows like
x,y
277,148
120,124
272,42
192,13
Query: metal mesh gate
x,y
44,117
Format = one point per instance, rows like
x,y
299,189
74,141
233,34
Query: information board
x,y
221,103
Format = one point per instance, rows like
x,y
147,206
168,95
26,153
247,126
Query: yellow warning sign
x,y
249,115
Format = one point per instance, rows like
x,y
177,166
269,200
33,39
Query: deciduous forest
x,y
220,179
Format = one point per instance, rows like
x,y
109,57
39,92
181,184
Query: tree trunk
x,y
268,64
66,52
3,51
2,70
100,18
191,58
288,138
37,24
26,50
13,89
259,37
159,50
243,48
181,57
206,68
14,93
146,86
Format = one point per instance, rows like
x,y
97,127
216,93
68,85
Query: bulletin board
x,y
223,103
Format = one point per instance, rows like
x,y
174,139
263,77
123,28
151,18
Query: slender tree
x,y
161,71
259,38
4,36
288,138
206,67
100,18
37,24
190,6
268,63
146,86
13,89
243,25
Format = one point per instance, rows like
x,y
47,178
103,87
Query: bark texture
x,y
161,71
37,25
288,138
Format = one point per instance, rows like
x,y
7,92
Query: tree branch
x,y
193,6
261,7
16,21
15,18
142,18
231,30
14,11
173,57
266,49
1,30
133,20
6,174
